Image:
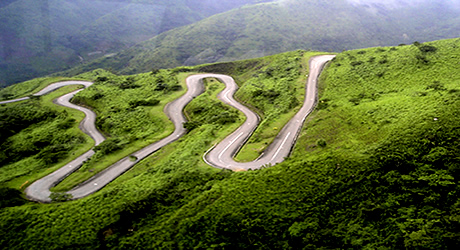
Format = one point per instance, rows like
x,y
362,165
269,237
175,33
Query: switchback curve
x,y
220,156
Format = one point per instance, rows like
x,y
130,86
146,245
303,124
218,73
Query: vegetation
x,y
36,135
128,112
376,166
42,37
270,28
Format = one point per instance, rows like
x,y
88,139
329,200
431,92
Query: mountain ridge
x,y
270,28
41,37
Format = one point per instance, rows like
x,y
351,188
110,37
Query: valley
x,y
376,163
230,124
40,189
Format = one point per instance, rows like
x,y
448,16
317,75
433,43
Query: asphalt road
x,y
220,156
40,189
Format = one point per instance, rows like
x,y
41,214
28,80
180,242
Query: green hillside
x,y
376,165
42,37
270,28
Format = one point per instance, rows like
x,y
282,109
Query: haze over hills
x,y
268,28
375,166
42,37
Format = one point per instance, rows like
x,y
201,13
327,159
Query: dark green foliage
x,y
53,153
68,123
128,84
101,79
10,197
437,85
321,143
388,177
422,59
204,111
189,126
16,118
322,104
51,144
108,146
427,48
169,196
356,63
148,102
60,197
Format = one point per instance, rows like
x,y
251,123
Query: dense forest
x,y
376,164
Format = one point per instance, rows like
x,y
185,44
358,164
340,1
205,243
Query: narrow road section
x,y
221,156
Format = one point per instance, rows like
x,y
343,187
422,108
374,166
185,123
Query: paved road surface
x,y
220,156
40,189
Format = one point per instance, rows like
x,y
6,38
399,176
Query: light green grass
x,y
272,120
367,183
155,113
29,87
29,169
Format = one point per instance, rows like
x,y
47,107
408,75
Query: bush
x,y
108,146
427,48
60,196
10,197
356,63
437,85
129,84
321,143
101,79
148,102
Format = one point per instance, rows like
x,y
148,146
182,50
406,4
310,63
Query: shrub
x,y
60,196
148,102
356,63
427,48
108,146
100,79
321,143
437,85
10,197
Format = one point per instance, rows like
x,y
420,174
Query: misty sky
x,y
397,3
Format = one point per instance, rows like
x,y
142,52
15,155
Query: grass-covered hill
x,y
376,166
275,27
42,37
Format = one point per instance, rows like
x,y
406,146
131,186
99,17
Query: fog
x,y
403,3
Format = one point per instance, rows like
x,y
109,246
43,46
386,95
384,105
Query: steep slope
x,y
264,29
376,166
42,37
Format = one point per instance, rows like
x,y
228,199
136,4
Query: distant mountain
x,y
268,28
42,37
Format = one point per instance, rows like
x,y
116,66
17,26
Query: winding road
x,y
220,156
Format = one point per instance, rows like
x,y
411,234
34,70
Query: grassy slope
x,y
268,79
270,28
387,175
386,178
39,38
42,30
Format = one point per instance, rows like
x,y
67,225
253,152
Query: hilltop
x,y
42,37
376,164
275,27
